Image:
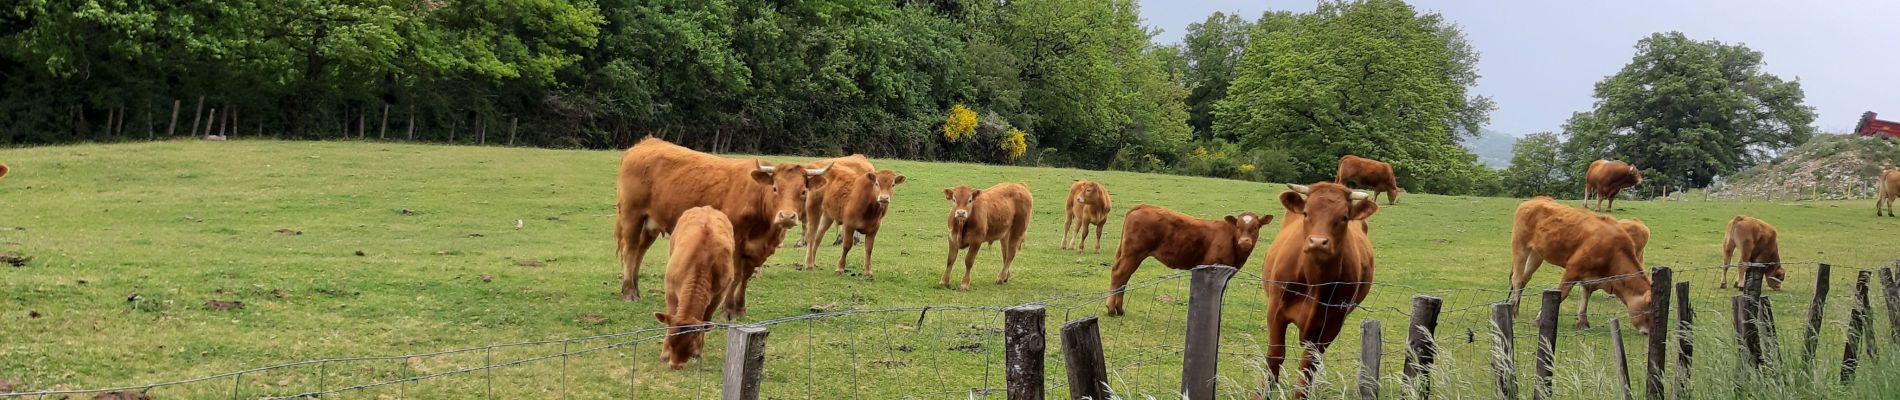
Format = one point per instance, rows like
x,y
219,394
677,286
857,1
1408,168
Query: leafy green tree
x,y
1374,78
1689,111
1211,49
1539,167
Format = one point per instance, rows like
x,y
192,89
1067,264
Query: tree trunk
x,y
412,123
481,131
361,130
171,129
196,115
382,130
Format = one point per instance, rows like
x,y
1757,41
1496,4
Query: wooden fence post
x,y
172,128
196,113
382,128
1371,344
412,123
1661,279
1201,354
1421,348
1023,344
1504,352
513,122
1867,312
1622,358
1547,341
1685,339
745,362
1891,293
209,123
1810,339
1850,357
1082,354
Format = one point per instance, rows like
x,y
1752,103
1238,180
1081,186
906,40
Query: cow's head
x,y
1328,208
789,183
1246,228
881,184
962,198
1089,195
685,335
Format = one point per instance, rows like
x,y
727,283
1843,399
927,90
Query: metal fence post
x,y
1201,355
745,362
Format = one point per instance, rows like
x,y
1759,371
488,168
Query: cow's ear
x,y
815,181
1293,202
1364,209
899,181
949,194
762,177
872,176
664,319
1265,219
1233,221
974,193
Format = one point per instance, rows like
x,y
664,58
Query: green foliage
x,y
1690,111
1210,52
1539,166
1372,78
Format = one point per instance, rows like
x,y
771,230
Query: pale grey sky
x,y
1541,59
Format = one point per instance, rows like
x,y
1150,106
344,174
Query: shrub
x,y
961,123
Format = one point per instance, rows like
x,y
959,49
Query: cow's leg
x,y
816,232
969,263
1315,340
1069,218
1613,194
1728,250
1583,310
1098,236
1276,344
1082,240
635,239
945,282
870,242
1010,246
1125,266
735,297
1524,263
849,240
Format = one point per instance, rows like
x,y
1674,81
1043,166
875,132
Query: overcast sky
x,y
1541,59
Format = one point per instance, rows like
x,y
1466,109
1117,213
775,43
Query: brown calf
x,y
1606,178
1366,172
659,181
1756,240
851,165
1595,251
1180,242
1318,269
858,203
1000,212
1088,205
1885,190
699,271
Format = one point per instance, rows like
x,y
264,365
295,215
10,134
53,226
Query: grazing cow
x,y
857,202
852,165
1756,239
1088,205
1318,269
1000,212
1595,251
1885,190
660,180
1366,172
1606,178
3,170
699,270
1180,242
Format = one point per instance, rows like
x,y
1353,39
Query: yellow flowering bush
x,y
960,124
1247,167
1015,143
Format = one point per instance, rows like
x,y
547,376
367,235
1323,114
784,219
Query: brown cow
x,y
1366,172
1088,205
699,270
660,180
1318,269
1885,190
1000,212
1595,251
1606,178
1756,240
1180,242
851,165
858,203
3,170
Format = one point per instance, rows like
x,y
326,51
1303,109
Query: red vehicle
x,y
1869,126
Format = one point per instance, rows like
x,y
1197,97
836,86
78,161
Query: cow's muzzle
x,y
883,199
1319,243
787,217
961,214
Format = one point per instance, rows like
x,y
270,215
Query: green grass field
x,y
343,249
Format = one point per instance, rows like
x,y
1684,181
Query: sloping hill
x,y
1492,147
1828,166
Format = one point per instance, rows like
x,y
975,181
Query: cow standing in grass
x,y
1606,178
1180,242
1756,241
858,203
1595,251
659,181
699,271
1088,205
1886,190
1000,212
1370,173
851,165
1318,269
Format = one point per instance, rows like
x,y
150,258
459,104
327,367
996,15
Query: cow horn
x,y
1302,189
1358,195
765,168
820,171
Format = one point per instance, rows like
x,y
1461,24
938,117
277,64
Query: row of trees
x,y
1052,82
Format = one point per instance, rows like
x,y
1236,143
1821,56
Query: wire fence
x,y
957,351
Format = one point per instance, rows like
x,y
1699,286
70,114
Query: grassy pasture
x,y
342,249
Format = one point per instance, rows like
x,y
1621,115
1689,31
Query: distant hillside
x,y
1828,166
1492,147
